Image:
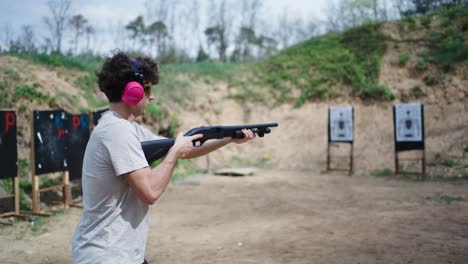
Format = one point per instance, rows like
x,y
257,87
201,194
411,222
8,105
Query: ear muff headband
x,y
136,71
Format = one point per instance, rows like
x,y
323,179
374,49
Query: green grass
x,y
334,61
447,178
382,173
262,162
56,60
183,169
28,92
38,226
10,74
154,111
88,84
446,199
213,70
172,89
403,58
448,45
45,181
24,186
7,185
444,161
449,162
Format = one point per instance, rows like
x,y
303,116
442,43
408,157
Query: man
x,y
118,183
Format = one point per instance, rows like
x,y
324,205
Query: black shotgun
x,y
155,149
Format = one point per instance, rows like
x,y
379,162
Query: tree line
x,y
177,31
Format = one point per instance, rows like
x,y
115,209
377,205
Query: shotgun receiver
x,y
155,149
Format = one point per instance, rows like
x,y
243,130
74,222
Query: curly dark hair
x,y
119,69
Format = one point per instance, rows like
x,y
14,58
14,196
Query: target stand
x,y
16,199
9,160
408,120
48,154
341,158
340,131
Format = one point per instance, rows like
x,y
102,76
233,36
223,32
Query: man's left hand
x,y
248,135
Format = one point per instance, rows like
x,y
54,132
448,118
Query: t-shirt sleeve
x,y
124,149
146,134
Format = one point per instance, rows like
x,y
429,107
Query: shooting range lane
x,y
283,217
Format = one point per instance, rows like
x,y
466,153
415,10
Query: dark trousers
x,y
145,262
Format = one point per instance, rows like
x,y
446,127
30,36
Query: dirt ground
x,y
282,217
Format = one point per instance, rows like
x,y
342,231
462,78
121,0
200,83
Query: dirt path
x,y
283,217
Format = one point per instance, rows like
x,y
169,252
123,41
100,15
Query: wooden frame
x,y
15,195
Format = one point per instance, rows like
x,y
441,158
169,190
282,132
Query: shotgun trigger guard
x,y
198,142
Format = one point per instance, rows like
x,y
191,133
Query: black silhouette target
x,y
78,136
50,130
97,115
408,126
340,124
8,145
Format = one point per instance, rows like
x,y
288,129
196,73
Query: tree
x,y
246,40
283,29
78,23
27,39
56,22
158,33
89,31
137,30
351,13
201,55
218,33
216,36
8,35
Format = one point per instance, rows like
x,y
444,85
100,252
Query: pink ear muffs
x,y
133,93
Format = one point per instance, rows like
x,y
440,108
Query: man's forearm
x,y
208,147
161,174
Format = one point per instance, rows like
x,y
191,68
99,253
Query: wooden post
x,y
66,189
17,194
34,178
35,194
397,170
328,156
424,163
351,159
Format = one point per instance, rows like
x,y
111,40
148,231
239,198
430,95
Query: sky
x,y
103,13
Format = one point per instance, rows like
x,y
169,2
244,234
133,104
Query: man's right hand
x,y
183,145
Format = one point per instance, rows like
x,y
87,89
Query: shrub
x,y
417,91
449,162
403,59
377,92
433,78
421,64
28,92
448,46
426,21
382,173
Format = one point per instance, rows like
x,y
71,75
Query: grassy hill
x,y
336,65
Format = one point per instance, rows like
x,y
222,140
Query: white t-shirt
x,y
114,225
